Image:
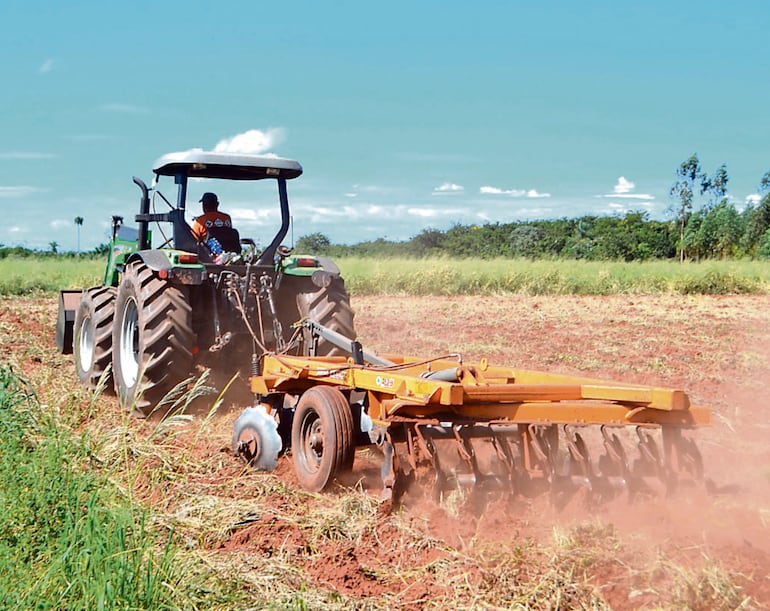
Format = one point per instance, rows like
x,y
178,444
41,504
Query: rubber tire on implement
x,y
322,437
92,343
256,439
152,335
329,306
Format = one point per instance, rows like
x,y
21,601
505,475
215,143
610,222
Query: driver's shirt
x,y
204,222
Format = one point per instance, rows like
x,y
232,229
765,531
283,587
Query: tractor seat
x,y
228,237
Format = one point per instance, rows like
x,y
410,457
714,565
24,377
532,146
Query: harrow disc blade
x,y
566,462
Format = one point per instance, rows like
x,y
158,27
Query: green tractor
x,y
160,312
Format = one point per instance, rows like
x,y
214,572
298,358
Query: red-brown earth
x,y
645,555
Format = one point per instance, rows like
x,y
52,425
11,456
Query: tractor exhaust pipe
x,y
144,209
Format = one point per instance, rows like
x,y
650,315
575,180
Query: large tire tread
x,y
166,336
331,407
329,306
98,304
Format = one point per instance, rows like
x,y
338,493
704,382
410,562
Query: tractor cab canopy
x,y
229,166
208,164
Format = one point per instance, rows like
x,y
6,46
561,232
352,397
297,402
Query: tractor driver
x,y
211,216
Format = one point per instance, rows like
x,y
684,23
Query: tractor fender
x,y
164,264
328,273
328,265
323,272
156,260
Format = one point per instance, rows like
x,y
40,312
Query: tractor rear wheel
x,y
329,306
152,338
322,437
92,343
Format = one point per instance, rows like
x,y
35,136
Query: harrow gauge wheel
x,y
256,439
322,437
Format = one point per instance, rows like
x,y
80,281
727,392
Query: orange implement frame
x,y
443,389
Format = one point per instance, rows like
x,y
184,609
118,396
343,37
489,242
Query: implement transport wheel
x,y
322,437
152,338
256,439
92,343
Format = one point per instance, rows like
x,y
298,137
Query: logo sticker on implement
x,y
385,382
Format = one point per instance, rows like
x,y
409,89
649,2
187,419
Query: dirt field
x,y
691,551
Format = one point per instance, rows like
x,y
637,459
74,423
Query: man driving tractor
x,y
211,217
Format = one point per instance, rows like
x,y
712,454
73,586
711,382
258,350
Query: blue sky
x,y
405,115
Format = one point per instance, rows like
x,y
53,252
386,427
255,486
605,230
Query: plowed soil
x,y
643,555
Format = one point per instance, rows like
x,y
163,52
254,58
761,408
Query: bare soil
x,y
664,552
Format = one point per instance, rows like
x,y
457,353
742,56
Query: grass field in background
x,y
365,276
31,275
552,277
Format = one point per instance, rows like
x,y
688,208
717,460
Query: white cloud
x,y
623,186
423,212
252,141
259,216
14,229
19,191
623,207
46,66
623,190
753,199
642,196
448,187
530,193
351,194
59,224
498,191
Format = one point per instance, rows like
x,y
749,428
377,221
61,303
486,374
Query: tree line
x,y
704,223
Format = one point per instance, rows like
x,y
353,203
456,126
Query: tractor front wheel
x,y
322,437
152,338
92,343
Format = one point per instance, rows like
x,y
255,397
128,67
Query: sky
x,y
404,115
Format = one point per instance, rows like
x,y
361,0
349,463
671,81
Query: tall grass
x,y
65,543
32,275
418,277
441,276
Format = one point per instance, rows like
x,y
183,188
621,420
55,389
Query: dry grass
x,y
259,541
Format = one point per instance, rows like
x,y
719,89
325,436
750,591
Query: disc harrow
x,y
450,424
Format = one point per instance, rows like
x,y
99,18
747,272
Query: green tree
x,y
763,249
757,219
313,244
714,232
690,180
716,185
427,242
78,224
526,240
54,246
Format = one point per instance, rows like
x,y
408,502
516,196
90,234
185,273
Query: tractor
x,y
220,300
